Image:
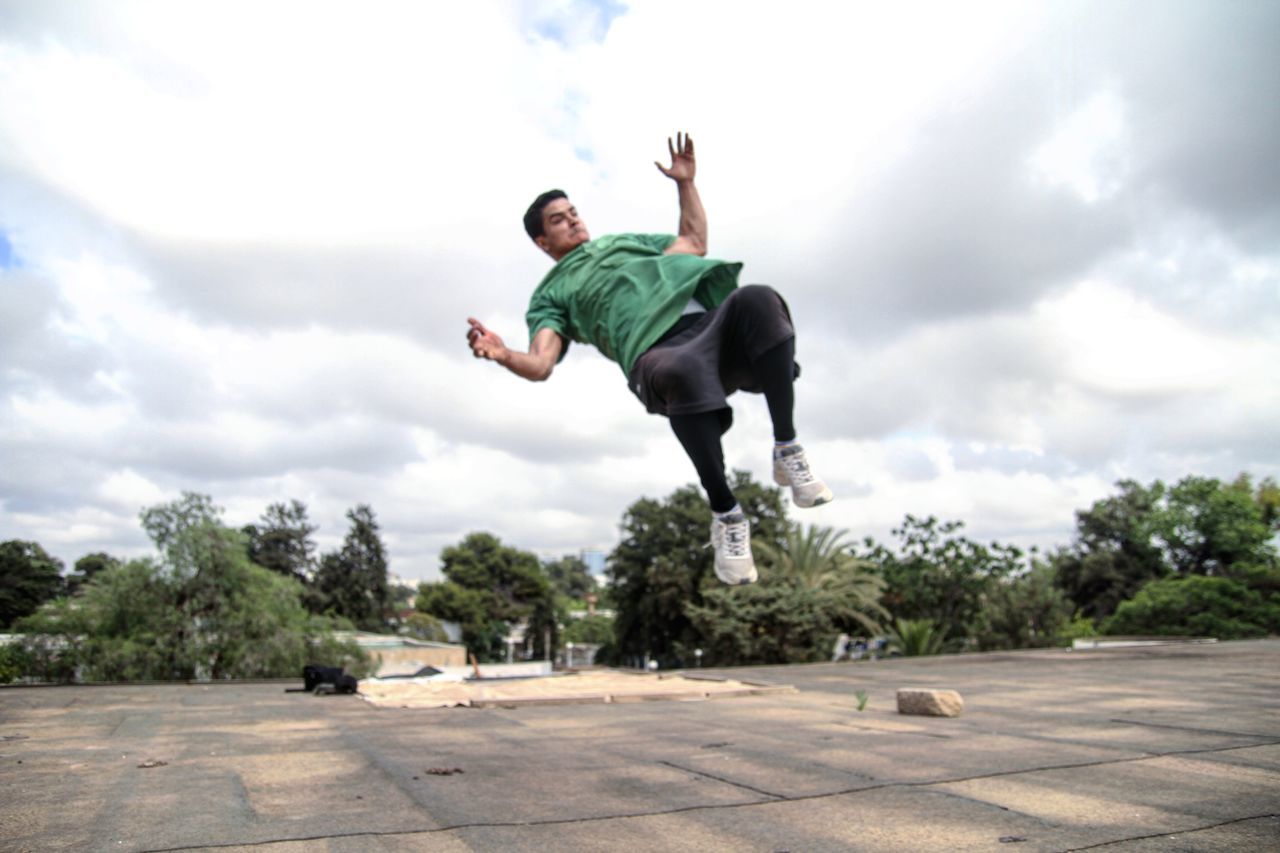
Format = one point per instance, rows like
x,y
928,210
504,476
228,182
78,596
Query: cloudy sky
x,y
1030,248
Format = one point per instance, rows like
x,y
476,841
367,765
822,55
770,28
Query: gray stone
x,y
929,703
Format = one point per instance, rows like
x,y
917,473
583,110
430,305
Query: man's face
x,y
562,230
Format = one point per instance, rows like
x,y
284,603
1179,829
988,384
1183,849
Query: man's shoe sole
x,y
751,578
824,498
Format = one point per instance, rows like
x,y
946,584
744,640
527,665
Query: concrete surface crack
x,y
993,805
1189,831
1193,729
742,785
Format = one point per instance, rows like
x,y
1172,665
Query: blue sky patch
x,y
8,260
579,21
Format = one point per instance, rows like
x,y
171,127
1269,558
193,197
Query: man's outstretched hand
x,y
484,343
535,365
683,166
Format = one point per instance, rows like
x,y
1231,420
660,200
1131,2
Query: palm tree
x,y
816,559
914,637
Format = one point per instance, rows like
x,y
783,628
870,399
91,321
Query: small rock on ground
x,y
930,703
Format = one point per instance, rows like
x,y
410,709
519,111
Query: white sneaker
x,y
731,537
790,468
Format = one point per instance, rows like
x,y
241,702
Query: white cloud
x,y
129,490
1088,151
1029,248
1116,343
354,128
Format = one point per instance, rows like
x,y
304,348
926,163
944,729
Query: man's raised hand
x,y
683,166
484,343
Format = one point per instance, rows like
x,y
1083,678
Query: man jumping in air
x,y
683,332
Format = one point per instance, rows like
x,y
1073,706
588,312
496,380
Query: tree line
x,y
1195,558
214,602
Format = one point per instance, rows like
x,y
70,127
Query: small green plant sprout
x,y
862,697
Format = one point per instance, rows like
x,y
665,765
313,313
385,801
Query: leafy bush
x,y
936,573
812,590
13,662
28,578
915,637
324,647
1025,612
1199,526
1079,628
766,623
1197,606
424,626
591,629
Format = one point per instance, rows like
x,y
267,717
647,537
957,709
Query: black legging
x,y
700,433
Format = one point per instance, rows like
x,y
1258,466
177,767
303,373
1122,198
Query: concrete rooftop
x,y
1137,749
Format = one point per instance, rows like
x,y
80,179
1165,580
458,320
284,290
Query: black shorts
x,y
706,357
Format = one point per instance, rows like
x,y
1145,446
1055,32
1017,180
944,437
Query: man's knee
x,y
761,300
764,313
760,295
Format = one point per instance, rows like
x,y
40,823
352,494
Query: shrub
x,y
1197,606
914,637
13,662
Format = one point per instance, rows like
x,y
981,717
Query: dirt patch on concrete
x,y
590,687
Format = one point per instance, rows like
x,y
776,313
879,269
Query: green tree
x,y
131,622
28,578
1027,611
1212,528
570,577
202,610
87,567
352,581
590,629
773,621
663,562
424,626
544,626
937,573
282,541
1115,551
1267,497
1197,606
187,531
489,587
513,577
817,557
571,585
14,662
453,603
401,596
812,588
1200,526
916,637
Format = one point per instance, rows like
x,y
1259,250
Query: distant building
x,y
577,655
401,655
595,561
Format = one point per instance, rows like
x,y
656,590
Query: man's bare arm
x,y
692,236
535,365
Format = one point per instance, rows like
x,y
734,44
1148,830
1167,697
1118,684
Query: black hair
x,y
533,216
